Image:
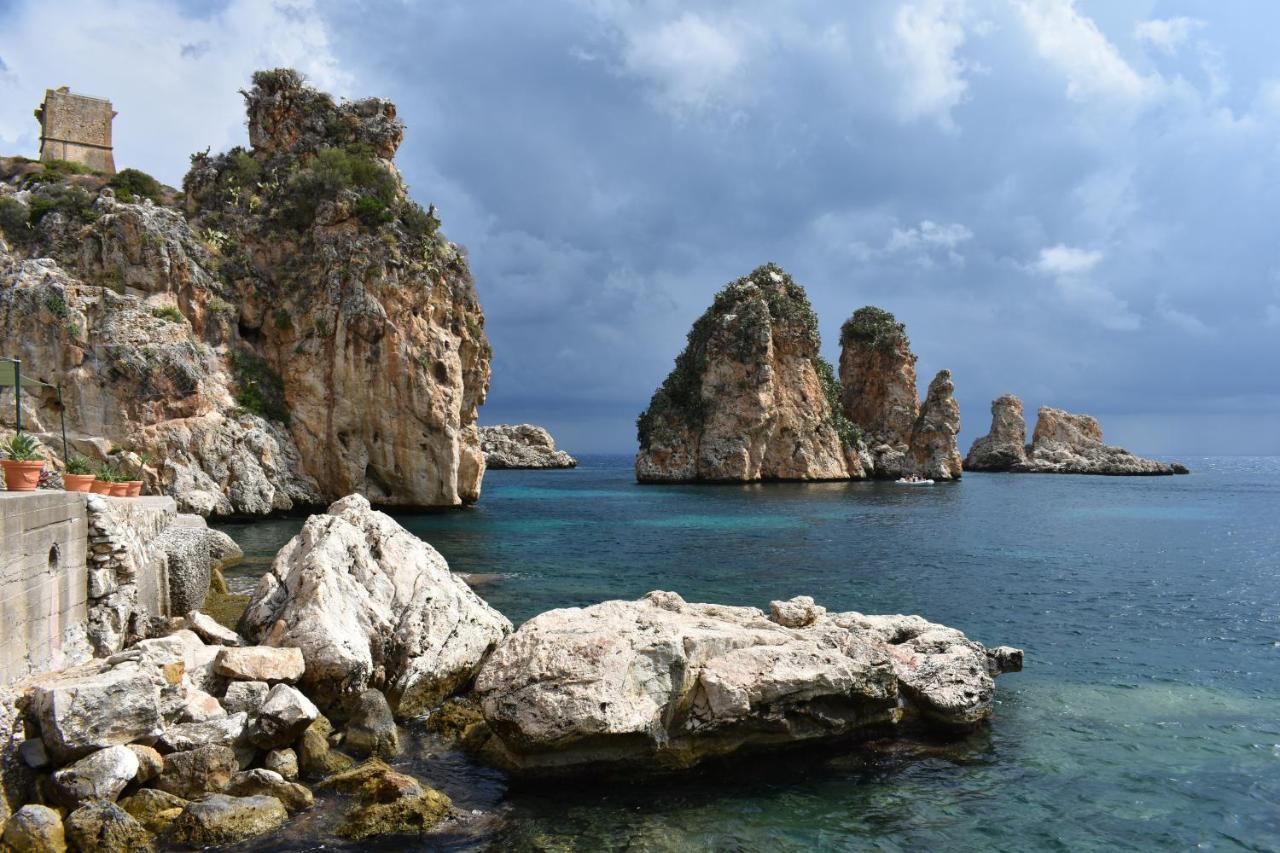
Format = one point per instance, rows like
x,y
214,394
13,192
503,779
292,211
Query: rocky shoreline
x,y
199,735
1063,443
522,446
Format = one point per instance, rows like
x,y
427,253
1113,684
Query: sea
x,y
1147,716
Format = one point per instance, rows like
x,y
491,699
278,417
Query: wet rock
x,y
246,696
282,718
390,803
212,633
194,772
260,663
662,683
282,761
367,601
250,783
154,809
102,826
101,775
316,759
1004,659
221,819
460,720
521,446
82,714
371,728
35,829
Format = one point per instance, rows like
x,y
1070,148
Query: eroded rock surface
x,y
751,397
903,435
298,331
371,605
1063,443
522,446
668,683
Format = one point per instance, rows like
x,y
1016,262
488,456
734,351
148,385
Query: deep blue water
x,y
1148,716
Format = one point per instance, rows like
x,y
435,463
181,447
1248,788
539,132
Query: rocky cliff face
x,y
878,395
522,446
1004,447
750,397
300,331
1063,443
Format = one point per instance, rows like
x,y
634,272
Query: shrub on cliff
x,y
15,221
873,327
259,389
133,185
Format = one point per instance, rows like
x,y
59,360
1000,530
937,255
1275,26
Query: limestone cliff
x,y
522,446
750,397
1063,443
1004,447
879,396
298,331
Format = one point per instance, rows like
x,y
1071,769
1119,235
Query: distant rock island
x,y
751,397
522,446
1063,443
288,328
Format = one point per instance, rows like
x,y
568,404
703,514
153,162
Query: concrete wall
x,y
43,581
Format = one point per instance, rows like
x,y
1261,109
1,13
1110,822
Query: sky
x,y
1075,202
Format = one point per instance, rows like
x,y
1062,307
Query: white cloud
x,y
1063,260
1070,270
692,62
922,47
1167,34
926,245
172,78
1094,68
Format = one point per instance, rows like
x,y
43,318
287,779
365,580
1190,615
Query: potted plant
x,y
79,474
119,488
23,466
106,473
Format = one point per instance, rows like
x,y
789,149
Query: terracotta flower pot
x,y
21,476
119,490
100,487
77,482
135,487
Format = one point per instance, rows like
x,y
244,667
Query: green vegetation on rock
x,y
873,327
259,389
168,312
133,185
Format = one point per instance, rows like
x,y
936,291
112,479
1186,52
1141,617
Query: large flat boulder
x,y
82,714
371,605
669,683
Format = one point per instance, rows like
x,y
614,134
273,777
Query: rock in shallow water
x,y
371,605
222,819
667,683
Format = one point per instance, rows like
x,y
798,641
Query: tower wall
x,y
76,128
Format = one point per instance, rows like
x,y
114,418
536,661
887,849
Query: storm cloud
x,y
1074,202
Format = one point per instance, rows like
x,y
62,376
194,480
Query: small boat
x,y
905,482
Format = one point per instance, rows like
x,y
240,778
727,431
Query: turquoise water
x,y
1148,716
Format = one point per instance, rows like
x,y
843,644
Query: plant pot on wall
x,y
77,482
100,487
119,490
21,476
135,488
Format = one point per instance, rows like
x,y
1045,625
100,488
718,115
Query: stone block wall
x,y
43,582
76,128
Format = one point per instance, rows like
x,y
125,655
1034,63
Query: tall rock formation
x,y
1004,447
299,332
1063,443
750,397
878,395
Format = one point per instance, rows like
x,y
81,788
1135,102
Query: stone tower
x,y
76,128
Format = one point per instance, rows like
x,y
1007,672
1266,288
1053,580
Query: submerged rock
x,y
223,819
389,802
522,446
751,397
371,727
1063,443
665,683
878,395
371,605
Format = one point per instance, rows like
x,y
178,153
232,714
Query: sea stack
x,y
751,397
879,396
1063,443
522,446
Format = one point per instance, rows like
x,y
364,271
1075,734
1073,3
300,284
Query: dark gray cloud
x,y
1071,201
